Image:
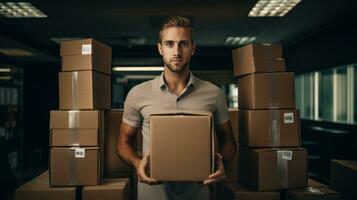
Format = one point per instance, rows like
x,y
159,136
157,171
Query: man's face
x,y
176,48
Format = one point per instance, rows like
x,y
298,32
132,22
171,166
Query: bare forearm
x,y
127,152
228,150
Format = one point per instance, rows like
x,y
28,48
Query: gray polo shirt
x,y
153,96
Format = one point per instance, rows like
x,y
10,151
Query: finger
x,y
218,173
213,180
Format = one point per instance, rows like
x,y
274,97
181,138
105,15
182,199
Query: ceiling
x,y
122,24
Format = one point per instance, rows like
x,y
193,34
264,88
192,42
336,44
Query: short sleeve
x,y
131,113
221,114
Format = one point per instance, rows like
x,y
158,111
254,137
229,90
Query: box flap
x,y
182,112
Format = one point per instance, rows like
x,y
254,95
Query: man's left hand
x,y
218,175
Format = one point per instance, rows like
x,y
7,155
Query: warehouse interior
x,y
318,39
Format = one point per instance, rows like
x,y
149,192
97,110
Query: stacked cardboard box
x,y
270,157
179,133
77,129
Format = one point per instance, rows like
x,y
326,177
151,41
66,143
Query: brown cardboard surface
x,y
258,58
110,189
344,178
267,91
181,147
312,193
112,162
75,137
76,119
314,183
277,128
75,59
262,170
84,90
233,114
39,189
256,65
238,191
68,170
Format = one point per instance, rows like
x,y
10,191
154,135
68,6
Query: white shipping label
x,y
80,153
288,118
86,49
287,155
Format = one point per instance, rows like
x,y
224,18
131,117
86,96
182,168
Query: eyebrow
x,y
174,41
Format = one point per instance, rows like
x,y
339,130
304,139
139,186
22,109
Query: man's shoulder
x,y
143,87
206,85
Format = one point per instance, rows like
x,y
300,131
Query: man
x,y
175,89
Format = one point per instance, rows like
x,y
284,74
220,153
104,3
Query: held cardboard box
x,y
269,128
112,162
268,169
110,189
233,114
258,58
344,178
267,91
312,193
76,128
181,146
84,90
75,166
39,189
237,191
86,54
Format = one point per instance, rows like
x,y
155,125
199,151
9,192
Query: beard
x,y
176,68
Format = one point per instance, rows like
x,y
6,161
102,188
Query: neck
x,y
176,82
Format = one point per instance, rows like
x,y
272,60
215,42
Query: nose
x,y
177,50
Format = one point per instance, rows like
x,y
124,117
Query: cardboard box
x,y
76,128
233,114
313,183
344,178
84,90
77,119
312,193
268,169
181,146
258,58
277,128
110,189
267,91
112,162
86,54
39,188
75,166
237,191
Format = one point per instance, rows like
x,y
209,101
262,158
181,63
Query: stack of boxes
x,y
270,156
77,129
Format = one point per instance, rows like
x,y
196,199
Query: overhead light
x,y
5,77
58,40
5,70
131,69
20,10
15,52
241,40
272,8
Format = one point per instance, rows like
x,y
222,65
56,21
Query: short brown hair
x,y
176,21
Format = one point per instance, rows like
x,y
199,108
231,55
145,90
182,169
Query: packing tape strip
x,y
314,190
282,166
273,103
74,90
74,137
73,119
73,180
274,132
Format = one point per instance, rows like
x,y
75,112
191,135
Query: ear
x,y
193,49
159,48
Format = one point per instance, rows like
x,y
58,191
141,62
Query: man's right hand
x,y
142,167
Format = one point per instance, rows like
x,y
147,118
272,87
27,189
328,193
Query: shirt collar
x,y
191,81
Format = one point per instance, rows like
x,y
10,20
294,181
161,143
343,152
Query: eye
x,y
169,44
184,44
